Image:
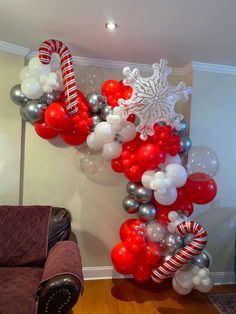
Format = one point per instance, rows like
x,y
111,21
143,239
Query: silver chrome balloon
x,y
130,205
130,188
202,260
184,127
147,212
54,96
105,111
143,195
173,241
96,118
17,96
34,110
95,102
185,144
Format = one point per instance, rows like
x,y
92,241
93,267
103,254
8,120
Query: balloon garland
x,y
134,125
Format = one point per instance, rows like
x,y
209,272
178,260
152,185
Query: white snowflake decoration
x,y
153,98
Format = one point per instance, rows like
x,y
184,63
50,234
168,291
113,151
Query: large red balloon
x,y
44,131
74,137
200,192
56,117
150,157
125,228
142,272
123,261
152,255
111,87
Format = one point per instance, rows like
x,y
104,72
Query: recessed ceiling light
x,y
111,26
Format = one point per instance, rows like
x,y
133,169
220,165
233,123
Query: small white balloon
x,y
111,150
31,88
173,216
147,178
168,198
179,289
196,280
177,175
172,160
184,279
203,273
93,142
128,133
206,288
36,68
104,132
24,73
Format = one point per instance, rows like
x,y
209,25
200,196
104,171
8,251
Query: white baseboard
x,y
108,272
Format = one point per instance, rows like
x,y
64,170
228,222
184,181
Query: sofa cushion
x,y
17,289
23,235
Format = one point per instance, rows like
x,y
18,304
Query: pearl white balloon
x,y
168,198
177,175
104,132
93,142
31,87
111,150
172,160
147,178
184,279
36,68
24,73
128,133
206,288
179,289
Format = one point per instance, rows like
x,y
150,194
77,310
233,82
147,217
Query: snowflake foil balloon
x,y
153,98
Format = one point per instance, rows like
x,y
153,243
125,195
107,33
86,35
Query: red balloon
x,y
186,207
74,137
162,215
117,165
44,131
111,87
134,173
56,117
142,272
200,192
123,261
151,255
135,244
125,228
150,157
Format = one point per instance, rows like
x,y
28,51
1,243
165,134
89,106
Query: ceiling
x,y
178,30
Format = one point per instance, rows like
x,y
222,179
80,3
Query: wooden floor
x,y
125,296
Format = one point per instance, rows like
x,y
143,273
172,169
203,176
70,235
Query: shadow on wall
x,y
220,223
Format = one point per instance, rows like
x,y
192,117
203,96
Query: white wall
x,y
10,130
213,124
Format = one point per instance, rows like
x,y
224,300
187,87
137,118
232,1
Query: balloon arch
x,y
134,125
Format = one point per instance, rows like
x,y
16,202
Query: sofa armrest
x,y
58,295
62,278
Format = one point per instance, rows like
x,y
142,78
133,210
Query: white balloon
x,y
172,160
104,132
179,289
47,88
206,288
111,150
184,279
168,198
31,88
128,133
177,175
24,73
93,142
147,178
196,281
36,68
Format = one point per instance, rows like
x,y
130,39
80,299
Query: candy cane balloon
x,y
45,53
169,267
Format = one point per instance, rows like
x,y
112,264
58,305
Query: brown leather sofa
x,y
62,288
60,279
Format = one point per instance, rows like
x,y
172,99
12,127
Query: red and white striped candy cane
x,y
168,268
45,53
